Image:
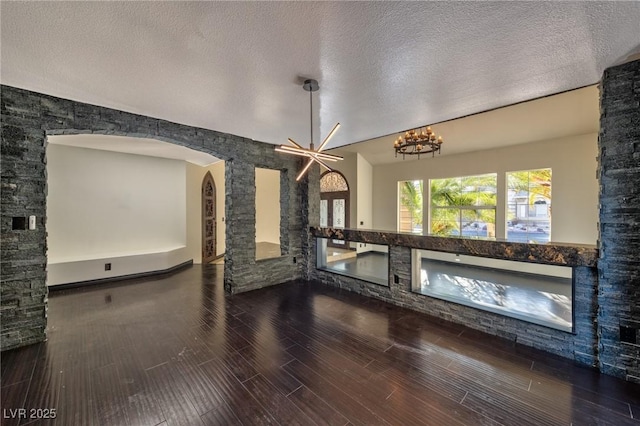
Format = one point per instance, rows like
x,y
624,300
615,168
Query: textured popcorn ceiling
x,y
383,67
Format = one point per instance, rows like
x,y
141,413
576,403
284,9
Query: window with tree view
x,y
529,205
464,206
410,206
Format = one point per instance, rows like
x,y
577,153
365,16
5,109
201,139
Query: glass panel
x,y
445,222
410,206
333,182
480,222
541,294
529,205
443,191
368,263
488,217
338,213
338,217
469,222
324,213
267,213
453,202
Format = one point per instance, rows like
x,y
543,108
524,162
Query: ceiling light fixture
x,y
416,142
314,156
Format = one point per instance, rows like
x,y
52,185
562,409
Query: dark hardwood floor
x,y
177,350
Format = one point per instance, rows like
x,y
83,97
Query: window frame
x,y
461,208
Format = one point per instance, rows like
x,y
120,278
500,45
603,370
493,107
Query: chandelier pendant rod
x,y
311,118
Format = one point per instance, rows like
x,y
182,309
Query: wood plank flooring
x,y
178,351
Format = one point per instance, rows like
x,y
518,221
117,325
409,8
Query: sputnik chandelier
x,y
314,156
416,142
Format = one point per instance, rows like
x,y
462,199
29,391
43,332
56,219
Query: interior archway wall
x,y
29,117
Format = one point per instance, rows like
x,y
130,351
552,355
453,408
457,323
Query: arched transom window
x,y
333,182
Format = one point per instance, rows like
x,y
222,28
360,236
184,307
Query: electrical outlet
x,y
107,266
19,223
628,335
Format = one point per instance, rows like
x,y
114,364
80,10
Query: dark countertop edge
x,y
564,254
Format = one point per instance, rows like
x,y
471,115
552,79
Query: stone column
x,y
240,211
24,262
619,225
310,204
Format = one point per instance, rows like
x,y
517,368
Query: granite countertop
x,y
552,253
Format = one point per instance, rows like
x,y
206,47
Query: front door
x,y
208,219
334,204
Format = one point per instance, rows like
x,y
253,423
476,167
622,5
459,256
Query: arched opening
x,y
334,204
120,206
208,219
100,256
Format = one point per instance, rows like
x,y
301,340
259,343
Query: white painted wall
x,y
267,206
364,196
574,184
195,175
364,205
103,206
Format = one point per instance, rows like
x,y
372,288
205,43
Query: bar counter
x,y
552,253
403,285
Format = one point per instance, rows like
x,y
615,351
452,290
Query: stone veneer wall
x,y
27,119
580,346
619,263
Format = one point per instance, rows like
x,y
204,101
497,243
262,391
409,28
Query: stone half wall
x,y
27,119
580,346
619,240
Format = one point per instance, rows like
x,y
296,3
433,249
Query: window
x,y
369,263
529,205
464,206
410,206
540,294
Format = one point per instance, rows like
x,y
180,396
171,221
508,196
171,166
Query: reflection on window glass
x,y
339,213
267,213
541,294
529,205
324,213
410,206
464,206
368,262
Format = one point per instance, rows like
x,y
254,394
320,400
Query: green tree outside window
x,y
463,205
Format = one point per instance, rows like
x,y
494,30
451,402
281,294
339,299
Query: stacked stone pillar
x,y
619,240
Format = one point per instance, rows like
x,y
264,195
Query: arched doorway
x,y
208,218
334,203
